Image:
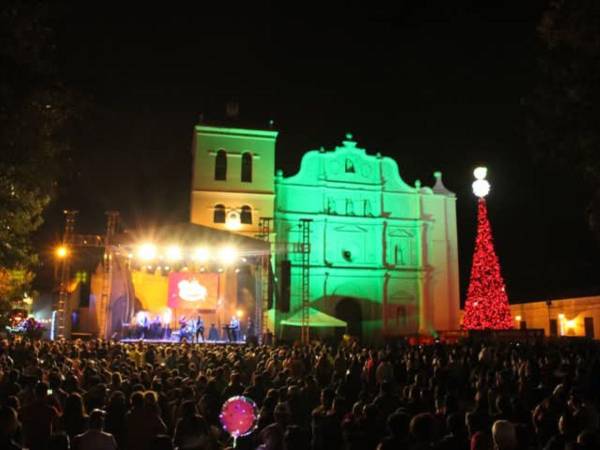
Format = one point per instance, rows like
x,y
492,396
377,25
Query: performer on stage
x,y
182,328
234,325
199,328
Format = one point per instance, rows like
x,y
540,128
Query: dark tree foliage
x,y
564,109
35,114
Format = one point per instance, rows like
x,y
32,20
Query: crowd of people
x,y
93,395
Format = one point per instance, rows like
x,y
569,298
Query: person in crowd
x,y
74,419
192,432
39,418
95,438
8,428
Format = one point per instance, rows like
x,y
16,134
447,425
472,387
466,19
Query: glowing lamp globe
x,y
481,186
239,416
480,173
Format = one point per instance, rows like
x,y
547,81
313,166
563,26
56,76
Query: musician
x,y
182,327
145,329
234,325
199,328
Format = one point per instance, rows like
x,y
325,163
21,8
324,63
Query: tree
x,y
486,306
35,114
564,109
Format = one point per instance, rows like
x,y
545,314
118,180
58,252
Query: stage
x,y
175,341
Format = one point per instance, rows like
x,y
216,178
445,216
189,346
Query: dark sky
x,y
437,85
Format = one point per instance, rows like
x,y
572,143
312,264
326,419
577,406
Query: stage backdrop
x,y
193,290
151,290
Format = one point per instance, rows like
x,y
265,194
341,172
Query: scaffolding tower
x,y
107,270
261,318
70,241
305,279
65,272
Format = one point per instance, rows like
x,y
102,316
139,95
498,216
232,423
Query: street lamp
x,y
62,251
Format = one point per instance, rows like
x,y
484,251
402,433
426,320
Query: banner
x,y
193,290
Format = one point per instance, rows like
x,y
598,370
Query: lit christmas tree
x,y
487,303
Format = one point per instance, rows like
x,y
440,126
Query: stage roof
x,y
317,319
192,234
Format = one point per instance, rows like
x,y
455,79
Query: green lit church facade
x,y
383,254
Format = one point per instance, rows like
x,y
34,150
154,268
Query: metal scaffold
x,y
305,279
107,269
262,312
71,241
62,304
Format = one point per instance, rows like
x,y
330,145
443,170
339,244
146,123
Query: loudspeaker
x,y
285,285
270,293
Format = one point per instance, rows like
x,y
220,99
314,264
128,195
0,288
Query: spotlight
x,y
239,313
228,255
174,253
201,254
147,252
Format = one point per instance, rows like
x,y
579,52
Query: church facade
x,y
382,255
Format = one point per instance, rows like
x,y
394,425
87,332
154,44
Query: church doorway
x,y
348,310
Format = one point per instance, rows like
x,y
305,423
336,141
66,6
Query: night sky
x,y
435,86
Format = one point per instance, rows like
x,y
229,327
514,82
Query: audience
x,y
502,396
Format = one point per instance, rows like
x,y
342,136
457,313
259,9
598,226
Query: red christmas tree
x,y
487,303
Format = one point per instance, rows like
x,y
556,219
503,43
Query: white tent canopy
x,y
316,319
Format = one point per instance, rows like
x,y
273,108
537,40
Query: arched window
x,y
246,216
247,167
221,165
219,214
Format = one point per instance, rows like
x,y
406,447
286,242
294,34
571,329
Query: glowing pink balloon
x,y
239,416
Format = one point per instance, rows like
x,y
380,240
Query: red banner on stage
x,y
193,290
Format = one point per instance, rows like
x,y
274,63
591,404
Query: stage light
x,y
147,252
174,253
570,324
239,313
481,186
518,318
228,255
62,251
201,254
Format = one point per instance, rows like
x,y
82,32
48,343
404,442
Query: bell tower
x,y
233,177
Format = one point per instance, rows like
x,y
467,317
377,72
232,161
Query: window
x,y
246,216
247,167
349,166
221,165
219,214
